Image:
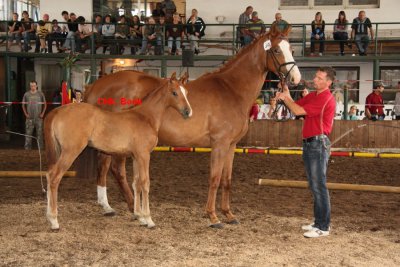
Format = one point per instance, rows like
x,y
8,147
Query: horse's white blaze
x,y
287,53
183,90
102,198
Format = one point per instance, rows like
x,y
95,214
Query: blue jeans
x,y
316,156
362,42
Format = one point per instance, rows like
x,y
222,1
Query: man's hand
x,y
285,94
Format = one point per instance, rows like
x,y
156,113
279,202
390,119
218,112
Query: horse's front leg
x,y
137,191
104,162
119,172
218,155
143,162
226,186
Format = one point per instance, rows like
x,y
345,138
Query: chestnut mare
x,y
221,102
70,128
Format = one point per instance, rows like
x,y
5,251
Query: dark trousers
x,y
37,44
342,37
321,41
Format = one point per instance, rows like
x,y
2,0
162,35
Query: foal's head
x,y
279,54
178,95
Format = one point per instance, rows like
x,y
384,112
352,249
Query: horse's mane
x,y
274,32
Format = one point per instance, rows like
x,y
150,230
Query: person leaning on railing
x,y
359,32
255,27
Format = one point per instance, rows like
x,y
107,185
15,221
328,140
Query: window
x,y
390,77
337,3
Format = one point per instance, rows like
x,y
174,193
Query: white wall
x,y
55,7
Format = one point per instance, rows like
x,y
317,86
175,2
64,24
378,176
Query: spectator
x,y
121,33
351,115
255,109
374,103
161,34
34,107
359,32
195,30
319,110
175,33
98,23
108,31
14,31
42,33
255,27
169,8
46,32
158,12
243,19
135,34
272,107
64,26
150,36
83,37
28,32
55,36
318,33
78,97
73,31
340,31
396,108
282,24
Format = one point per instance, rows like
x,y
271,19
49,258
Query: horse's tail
x,y
52,145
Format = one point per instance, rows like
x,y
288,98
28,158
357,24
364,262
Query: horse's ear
x,y
173,76
184,78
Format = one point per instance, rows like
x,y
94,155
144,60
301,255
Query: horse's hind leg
x,y
119,172
226,186
102,170
144,177
54,177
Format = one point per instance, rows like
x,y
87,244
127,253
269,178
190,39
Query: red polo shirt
x,y
320,109
374,103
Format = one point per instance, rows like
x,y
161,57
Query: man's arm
x,y
289,102
24,107
371,30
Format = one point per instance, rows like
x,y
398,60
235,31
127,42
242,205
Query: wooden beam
x,y
334,186
24,174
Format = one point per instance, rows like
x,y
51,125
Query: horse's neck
x,y
246,74
154,106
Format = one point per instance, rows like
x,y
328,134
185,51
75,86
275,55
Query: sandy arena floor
x,y
365,226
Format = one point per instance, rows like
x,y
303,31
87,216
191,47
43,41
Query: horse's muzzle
x,y
186,113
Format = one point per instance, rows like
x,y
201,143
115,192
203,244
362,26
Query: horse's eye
x,y
276,50
174,93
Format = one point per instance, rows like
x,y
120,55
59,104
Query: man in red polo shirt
x,y
319,110
374,103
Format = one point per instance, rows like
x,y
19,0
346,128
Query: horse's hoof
x,y
216,225
109,213
151,226
234,222
55,230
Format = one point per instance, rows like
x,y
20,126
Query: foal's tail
x,y
52,145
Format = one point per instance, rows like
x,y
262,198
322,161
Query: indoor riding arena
x,y
200,218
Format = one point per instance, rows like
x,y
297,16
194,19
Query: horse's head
x,y
279,54
178,95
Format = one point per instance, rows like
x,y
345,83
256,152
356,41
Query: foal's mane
x,y
274,32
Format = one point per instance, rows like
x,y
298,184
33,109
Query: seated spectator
x,y
150,37
28,30
169,8
318,33
64,26
359,32
374,103
160,31
135,34
340,31
83,38
281,23
158,12
39,43
351,115
42,33
55,36
272,107
121,33
175,33
195,30
78,97
14,31
69,43
255,28
108,31
243,19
